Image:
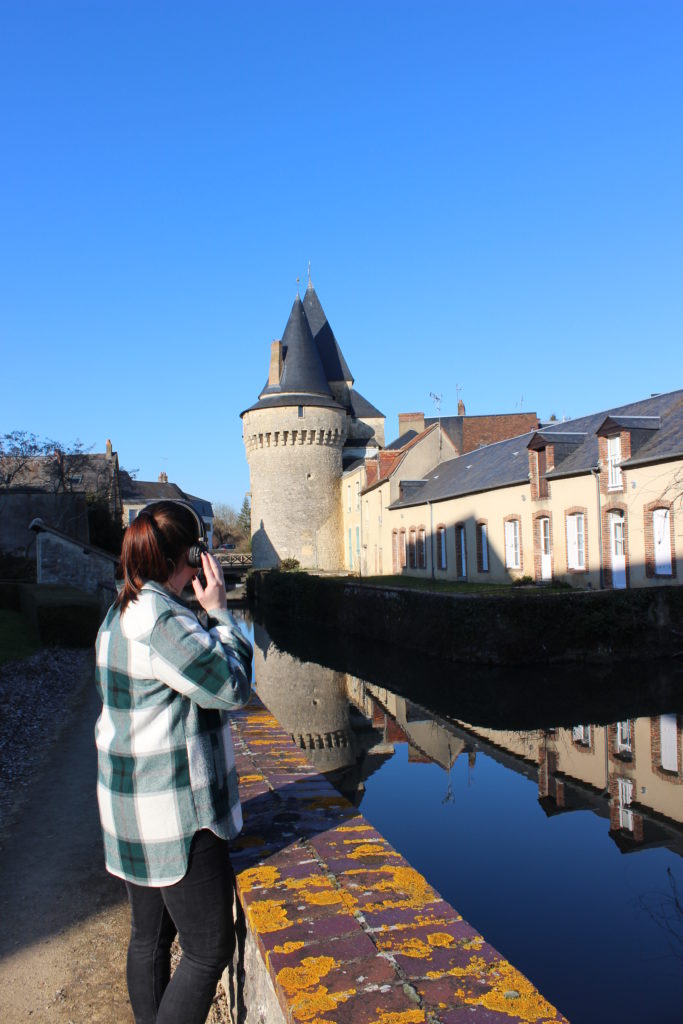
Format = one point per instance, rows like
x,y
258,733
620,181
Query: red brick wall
x,y
478,430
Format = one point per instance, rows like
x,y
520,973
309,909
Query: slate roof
x,y
576,450
361,408
302,369
401,441
331,357
451,426
496,465
135,491
303,380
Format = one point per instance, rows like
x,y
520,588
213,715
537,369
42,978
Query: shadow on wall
x,y
464,551
263,553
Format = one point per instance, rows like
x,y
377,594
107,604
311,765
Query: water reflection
x,y
629,772
492,817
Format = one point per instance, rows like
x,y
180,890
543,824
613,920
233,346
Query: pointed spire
x,y
302,371
333,361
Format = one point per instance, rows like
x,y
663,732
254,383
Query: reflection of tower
x,y
309,701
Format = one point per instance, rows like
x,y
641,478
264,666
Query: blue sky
x,y
489,194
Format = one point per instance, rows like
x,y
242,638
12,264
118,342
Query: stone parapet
x,y
335,925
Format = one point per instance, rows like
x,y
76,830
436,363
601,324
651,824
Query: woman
x,y
167,786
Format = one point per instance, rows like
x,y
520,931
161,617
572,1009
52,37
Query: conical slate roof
x,y
333,361
302,371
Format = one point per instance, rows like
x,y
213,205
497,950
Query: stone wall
x,y
333,924
60,559
519,628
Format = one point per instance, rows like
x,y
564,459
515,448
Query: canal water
x,y
562,845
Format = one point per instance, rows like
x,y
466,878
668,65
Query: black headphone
x,y
194,552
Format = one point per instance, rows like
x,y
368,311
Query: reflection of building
x,y
630,772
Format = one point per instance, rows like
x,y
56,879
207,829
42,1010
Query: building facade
x,y
595,502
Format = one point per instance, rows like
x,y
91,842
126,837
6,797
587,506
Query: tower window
x,y
300,412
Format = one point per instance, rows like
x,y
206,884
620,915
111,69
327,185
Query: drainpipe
x,y
362,549
431,534
596,473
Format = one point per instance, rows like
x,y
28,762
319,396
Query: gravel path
x,y
64,919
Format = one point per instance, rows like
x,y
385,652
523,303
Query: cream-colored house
x,y
595,502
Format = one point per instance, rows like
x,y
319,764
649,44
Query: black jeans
x,y
199,909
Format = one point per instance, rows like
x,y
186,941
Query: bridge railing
x,y
229,561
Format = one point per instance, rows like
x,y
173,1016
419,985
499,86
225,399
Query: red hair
x,y
152,545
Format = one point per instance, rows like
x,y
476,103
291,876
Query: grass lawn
x,y
18,639
452,587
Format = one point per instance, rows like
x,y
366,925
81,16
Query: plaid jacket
x,y
166,766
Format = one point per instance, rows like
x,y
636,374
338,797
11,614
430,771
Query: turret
x,y
294,436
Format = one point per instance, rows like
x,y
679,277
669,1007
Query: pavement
x,y
64,919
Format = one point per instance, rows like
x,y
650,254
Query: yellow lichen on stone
x,y
265,875
323,802
410,884
511,993
308,882
401,1017
251,778
306,1005
307,974
413,947
323,899
441,939
288,947
268,916
354,828
372,850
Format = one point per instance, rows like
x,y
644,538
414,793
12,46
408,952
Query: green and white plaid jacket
x,y
166,766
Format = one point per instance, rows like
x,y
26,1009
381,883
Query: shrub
x,y
290,565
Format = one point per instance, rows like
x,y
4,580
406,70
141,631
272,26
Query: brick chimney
x,y
461,407
163,478
108,448
275,371
410,421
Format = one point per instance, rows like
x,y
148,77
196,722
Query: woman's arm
x,y
212,667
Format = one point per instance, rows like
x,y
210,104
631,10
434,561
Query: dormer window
x,y
614,480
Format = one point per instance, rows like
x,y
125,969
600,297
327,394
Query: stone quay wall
x,y
524,627
334,925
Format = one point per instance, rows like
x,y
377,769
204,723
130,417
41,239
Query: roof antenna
x,y
437,402
297,288
309,274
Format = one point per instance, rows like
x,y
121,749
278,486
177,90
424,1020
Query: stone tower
x,y
306,427
294,437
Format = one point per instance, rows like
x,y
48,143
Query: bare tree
x,y
17,450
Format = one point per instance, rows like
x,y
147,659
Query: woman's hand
x,y
212,596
